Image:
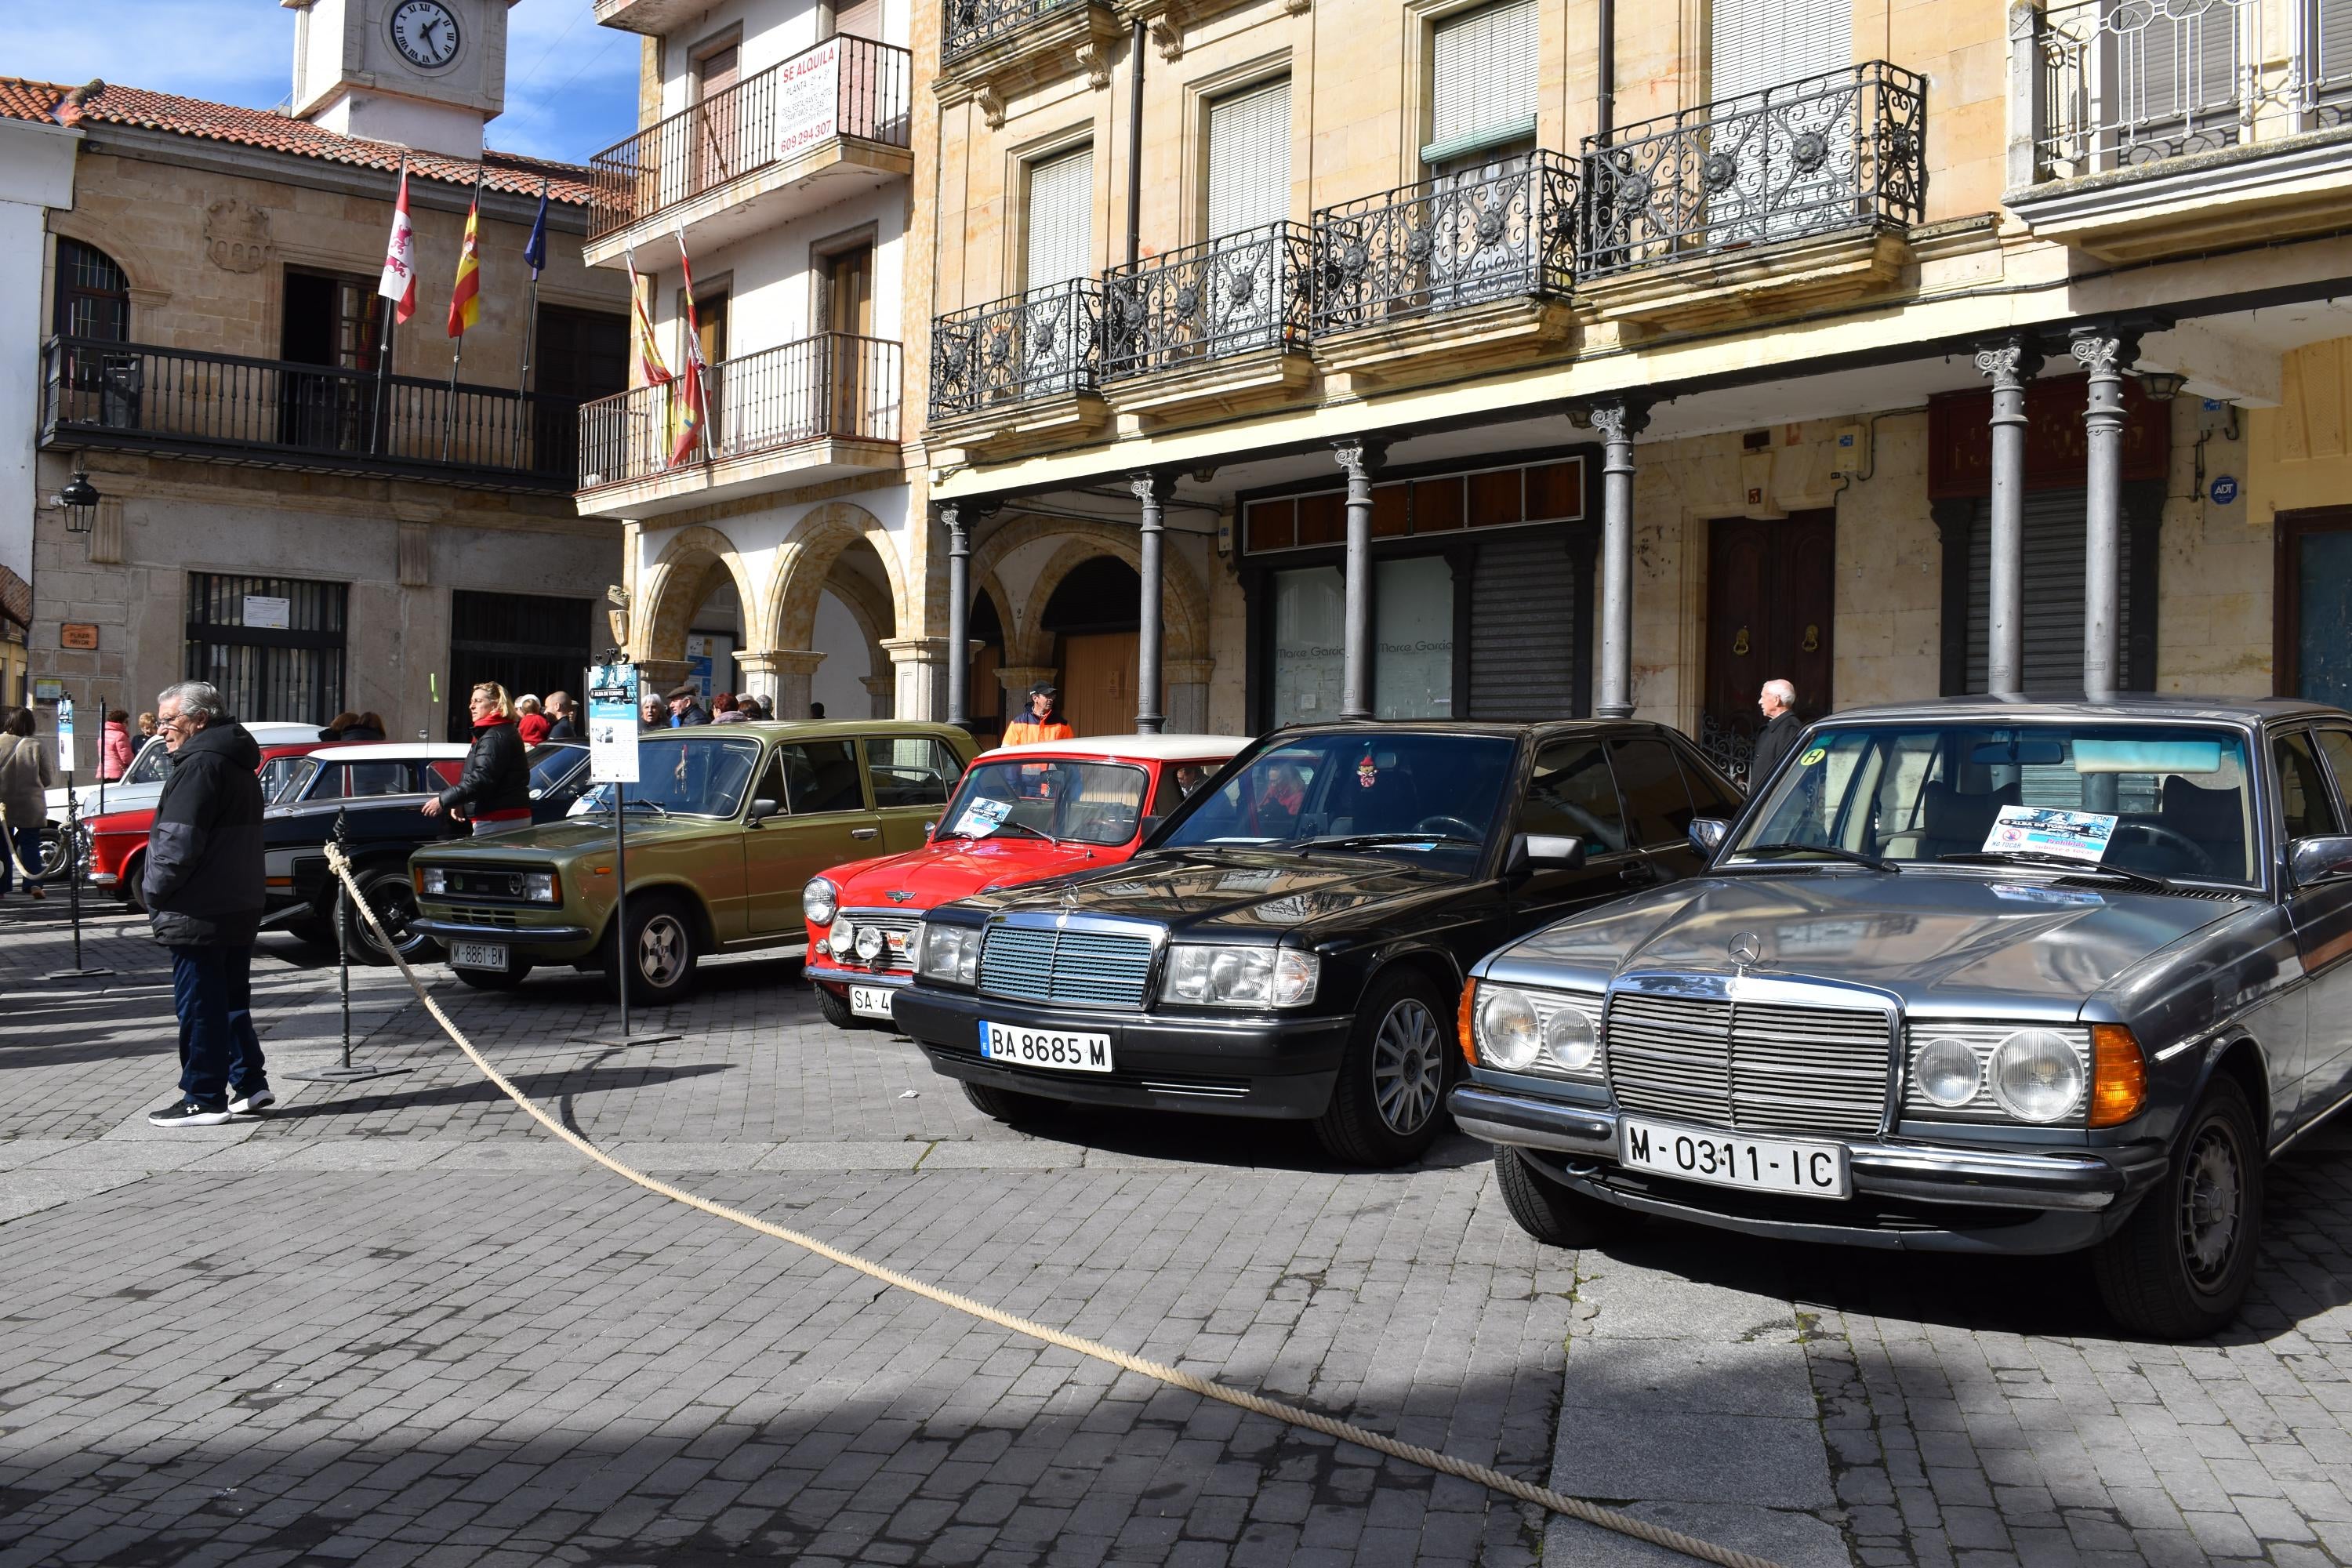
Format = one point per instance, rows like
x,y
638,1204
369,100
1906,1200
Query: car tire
x,y
493,979
1388,1103
52,864
664,943
135,897
1008,1104
835,1009
1551,1213
2181,1265
394,898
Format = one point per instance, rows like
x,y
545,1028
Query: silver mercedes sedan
x,y
1967,975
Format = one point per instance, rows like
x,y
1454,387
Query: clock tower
x,y
425,73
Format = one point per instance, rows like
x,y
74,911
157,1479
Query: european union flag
x,y
534,249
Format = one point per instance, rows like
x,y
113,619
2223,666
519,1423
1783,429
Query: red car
x,y
118,840
1020,814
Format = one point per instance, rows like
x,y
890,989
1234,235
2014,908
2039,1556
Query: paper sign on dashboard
x,y
982,817
2047,830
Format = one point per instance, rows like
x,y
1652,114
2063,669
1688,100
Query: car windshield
x,y
551,764
1431,797
1078,802
278,776
678,777
2163,801
152,764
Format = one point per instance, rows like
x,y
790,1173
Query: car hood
x,y
954,869
1242,893
118,797
573,834
1940,943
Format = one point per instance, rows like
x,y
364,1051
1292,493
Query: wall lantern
x,y
78,499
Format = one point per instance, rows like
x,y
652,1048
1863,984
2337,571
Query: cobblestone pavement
x,y
394,1323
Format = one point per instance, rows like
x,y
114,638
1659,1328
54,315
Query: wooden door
x,y
717,156
849,310
1770,592
2312,657
1099,682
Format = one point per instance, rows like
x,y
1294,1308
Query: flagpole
x,y
530,324
383,353
449,402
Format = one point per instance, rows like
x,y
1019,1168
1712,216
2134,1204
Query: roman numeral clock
x,y
425,33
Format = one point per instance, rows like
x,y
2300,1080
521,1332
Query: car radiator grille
x,y
890,923
1757,1068
1032,964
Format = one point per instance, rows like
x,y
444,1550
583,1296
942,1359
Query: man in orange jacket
x,y
1042,722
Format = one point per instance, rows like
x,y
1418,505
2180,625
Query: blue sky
x,y
571,85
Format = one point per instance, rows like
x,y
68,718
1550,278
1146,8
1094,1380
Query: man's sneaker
x,y
187,1113
247,1104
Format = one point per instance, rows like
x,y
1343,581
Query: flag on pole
x,y
686,400
651,371
466,295
534,249
399,281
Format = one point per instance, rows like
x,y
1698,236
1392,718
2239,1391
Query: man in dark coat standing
x,y
202,886
1779,737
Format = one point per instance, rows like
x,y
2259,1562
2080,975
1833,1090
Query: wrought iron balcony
x,y
973,25
1827,154
833,386
843,87
306,417
1504,231
1228,296
2112,84
1044,343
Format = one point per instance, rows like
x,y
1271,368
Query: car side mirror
x,y
1533,852
764,809
2320,859
1707,836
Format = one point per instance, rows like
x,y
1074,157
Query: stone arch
x,y
870,608
149,290
674,586
805,561
1185,604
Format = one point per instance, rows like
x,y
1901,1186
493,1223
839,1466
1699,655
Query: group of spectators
x,y
682,709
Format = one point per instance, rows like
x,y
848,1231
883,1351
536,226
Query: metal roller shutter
x,y
1759,44
1523,630
1249,158
1483,73
1061,218
2054,555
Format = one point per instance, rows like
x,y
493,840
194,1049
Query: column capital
x,y
781,662
959,517
2011,360
1621,418
1152,486
2104,349
1362,456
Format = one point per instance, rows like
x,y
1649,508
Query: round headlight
x,y
819,899
1947,1072
2036,1075
1568,1040
1506,1029
869,943
843,937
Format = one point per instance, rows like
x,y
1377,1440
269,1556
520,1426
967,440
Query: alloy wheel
x,y
2212,1188
1407,1067
661,951
394,903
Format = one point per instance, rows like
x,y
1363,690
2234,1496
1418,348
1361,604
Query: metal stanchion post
x,y
70,849
616,685
347,1072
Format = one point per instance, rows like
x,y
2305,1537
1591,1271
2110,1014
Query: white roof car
x,y
142,785
1142,748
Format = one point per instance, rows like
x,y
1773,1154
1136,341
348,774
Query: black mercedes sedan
x,y
1292,941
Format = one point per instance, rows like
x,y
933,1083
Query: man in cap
x,y
1042,720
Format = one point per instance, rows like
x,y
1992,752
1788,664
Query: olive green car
x,y
725,823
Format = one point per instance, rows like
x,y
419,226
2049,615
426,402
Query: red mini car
x,y
118,840
1020,814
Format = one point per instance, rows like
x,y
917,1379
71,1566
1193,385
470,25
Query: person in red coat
x,y
116,747
531,723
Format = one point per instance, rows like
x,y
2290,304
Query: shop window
x,y
1413,655
1309,629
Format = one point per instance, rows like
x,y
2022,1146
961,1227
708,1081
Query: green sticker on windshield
x,y
1811,756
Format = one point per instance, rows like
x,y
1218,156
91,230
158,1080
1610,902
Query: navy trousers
x,y
212,990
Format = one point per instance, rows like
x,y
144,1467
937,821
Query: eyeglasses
x,y
171,721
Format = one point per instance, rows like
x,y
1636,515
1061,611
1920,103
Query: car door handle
x,y
864,832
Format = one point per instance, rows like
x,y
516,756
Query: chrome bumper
x,y
817,969
1994,1178
520,936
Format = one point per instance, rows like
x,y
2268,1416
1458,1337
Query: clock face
x,y
425,33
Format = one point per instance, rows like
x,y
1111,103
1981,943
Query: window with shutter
x,y
1761,44
1249,158
1061,218
858,18
2333,68
1481,80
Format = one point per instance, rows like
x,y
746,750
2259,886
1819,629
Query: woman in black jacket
x,y
494,789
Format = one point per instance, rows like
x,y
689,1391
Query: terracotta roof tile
x,y
118,105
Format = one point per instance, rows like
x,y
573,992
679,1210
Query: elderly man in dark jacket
x,y
1777,703
203,887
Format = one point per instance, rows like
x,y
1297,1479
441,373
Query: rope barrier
x,y
1257,1404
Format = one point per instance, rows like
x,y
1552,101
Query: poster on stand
x,y
613,723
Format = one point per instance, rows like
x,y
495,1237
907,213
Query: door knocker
x,y
1813,643
1739,644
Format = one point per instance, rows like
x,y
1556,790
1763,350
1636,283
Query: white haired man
x,y
1778,702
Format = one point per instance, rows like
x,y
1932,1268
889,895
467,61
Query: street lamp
x,y
78,499
2164,386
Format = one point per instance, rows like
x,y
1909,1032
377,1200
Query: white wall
x,y
37,173
837,683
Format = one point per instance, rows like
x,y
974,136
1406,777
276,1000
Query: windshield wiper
x,y
1361,840
647,805
2059,863
1852,857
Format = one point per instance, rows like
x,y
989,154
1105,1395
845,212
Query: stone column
x,y
1362,458
2104,351
921,667
2011,362
783,677
1152,490
1188,695
881,694
1619,422
951,515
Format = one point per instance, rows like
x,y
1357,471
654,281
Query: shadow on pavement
x,y
476,1091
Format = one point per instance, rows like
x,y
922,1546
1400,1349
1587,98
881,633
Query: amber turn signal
x,y
1461,1022
2118,1076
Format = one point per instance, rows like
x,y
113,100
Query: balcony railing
x,y
1816,156
226,407
833,386
843,86
1502,230
976,24
2126,82
1230,296
1044,343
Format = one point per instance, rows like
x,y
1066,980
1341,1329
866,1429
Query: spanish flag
x,y
687,394
466,298
651,371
